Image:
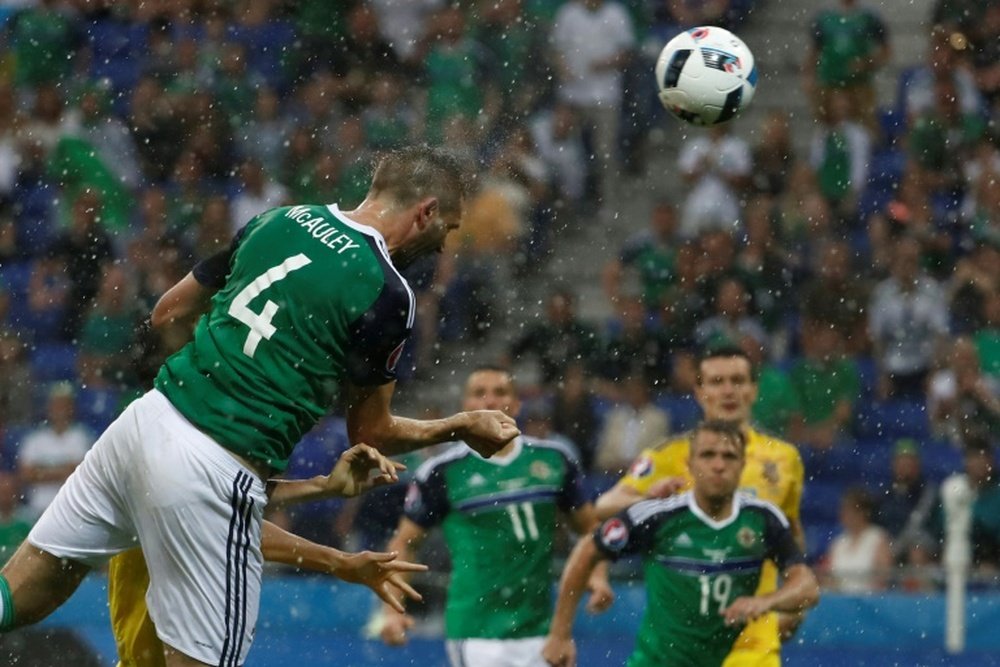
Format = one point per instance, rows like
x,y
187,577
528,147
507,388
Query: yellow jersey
x,y
135,634
773,473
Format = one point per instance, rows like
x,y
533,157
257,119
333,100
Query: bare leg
x,y
175,658
40,582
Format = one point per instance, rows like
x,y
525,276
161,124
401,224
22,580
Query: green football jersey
x,y
499,518
694,568
309,299
843,37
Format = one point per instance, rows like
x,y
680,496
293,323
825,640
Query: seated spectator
x,y
908,507
258,193
14,522
837,294
859,559
49,297
826,386
646,259
17,404
109,331
773,154
630,427
840,153
970,504
943,62
910,212
558,140
632,346
907,316
988,336
732,322
558,341
716,167
50,453
535,420
574,414
961,399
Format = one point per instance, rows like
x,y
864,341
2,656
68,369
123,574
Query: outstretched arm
x,y
381,572
357,470
395,621
369,419
559,650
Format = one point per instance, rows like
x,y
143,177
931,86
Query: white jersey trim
x,y
380,242
747,500
644,509
456,451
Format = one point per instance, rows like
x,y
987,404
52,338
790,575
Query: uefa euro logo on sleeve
x,y
614,534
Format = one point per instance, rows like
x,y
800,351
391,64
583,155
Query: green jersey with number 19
x,y
499,519
694,568
311,299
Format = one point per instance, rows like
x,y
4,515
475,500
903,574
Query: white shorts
x,y
155,479
496,652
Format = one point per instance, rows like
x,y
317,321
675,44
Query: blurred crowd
x,y
860,272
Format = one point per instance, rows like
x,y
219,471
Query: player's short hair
x,y
414,172
495,368
723,427
726,351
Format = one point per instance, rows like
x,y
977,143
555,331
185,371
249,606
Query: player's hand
x,y
669,486
559,652
488,431
745,609
394,627
602,596
360,468
382,573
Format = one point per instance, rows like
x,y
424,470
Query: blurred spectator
x,y
44,38
859,559
17,400
631,426
388,119
558,341
50,453
266,131
771,270
907,317
84,248
109,330
975,490
404,22
731,323
803,214
840,153
646,259
985,38
826,386
49,298
910,212
716,167
10,121
944,64
908,506
456,77
987,337
574,413
849,45
591,42
155,129
14,522
48,121
693,13
258,193
632,346
109,136
961,399
773,154
535,421
515,43
837,294
363,57
557,137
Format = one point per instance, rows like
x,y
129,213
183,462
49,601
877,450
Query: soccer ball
x,y
706,75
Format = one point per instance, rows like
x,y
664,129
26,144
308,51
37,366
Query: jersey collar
x,y
365,229
709,521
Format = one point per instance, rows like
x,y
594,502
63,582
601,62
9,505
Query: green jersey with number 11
x,y
694,568
499,518
311,299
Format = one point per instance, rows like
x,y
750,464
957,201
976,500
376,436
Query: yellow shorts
x,y
746,658
135,635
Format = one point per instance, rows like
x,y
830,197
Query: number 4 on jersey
x,y
260,323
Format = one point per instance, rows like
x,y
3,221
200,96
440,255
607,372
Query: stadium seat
x,y
51,362
683,410
97,407
893,419
819,534
10,444
939,458
821,501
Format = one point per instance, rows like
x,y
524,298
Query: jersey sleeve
x,y
630,532
572,495
427,500
378,337
653,465
778,538
211,272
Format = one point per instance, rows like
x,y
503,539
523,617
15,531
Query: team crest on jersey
x,y
614,534
413,498
390,363
540,469
771,472
642,467
746,537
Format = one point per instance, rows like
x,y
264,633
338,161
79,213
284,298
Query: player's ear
x,y
427,210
